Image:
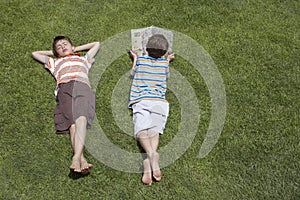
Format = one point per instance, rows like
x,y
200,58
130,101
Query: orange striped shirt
x,y
69,68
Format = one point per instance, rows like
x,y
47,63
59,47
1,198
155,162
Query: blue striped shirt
x,y
149,79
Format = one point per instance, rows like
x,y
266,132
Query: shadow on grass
x,y
75,175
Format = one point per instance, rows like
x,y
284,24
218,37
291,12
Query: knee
x,y
142,134
81,119
72,128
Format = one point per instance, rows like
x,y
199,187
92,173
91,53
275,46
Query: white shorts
x,y
150,115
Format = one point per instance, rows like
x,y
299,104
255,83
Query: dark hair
x,y
56,39
157,46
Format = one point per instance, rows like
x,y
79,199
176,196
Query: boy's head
x,y
157,46
62,45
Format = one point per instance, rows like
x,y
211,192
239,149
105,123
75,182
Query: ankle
x,y
151,154
76,157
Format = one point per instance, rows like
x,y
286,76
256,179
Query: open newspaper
x,y
139,38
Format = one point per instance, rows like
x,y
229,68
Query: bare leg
x,y
75,164
154,158
78,144
145,141
147,176
72,134
149,141
83,163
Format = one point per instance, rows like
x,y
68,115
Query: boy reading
x,y
147,100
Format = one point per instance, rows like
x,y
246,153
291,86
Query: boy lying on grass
x,y
148,102
75,107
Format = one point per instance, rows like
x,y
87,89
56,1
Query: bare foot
x,y
85,166
75,165
147,177
155,166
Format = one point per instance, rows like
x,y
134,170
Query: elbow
x,y
97,44
33,54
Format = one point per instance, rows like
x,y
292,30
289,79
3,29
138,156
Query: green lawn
x,y
255,46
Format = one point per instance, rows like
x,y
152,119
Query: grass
x,y
255,45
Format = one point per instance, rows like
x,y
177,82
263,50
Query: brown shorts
x,y
74,99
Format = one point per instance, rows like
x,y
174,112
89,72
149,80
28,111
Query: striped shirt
x,y
71,67
149,79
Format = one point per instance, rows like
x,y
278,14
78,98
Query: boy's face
x,y
64,47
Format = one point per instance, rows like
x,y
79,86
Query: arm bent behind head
x,y
41,56
92,48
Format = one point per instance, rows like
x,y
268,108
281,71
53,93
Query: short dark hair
x,y
157,46
56,39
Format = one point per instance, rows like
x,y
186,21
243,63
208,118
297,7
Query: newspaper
x,y
139,38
